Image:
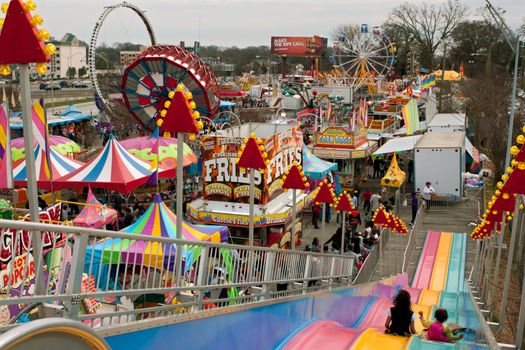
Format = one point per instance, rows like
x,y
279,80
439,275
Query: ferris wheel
x,y
363,56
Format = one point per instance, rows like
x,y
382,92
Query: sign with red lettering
x,y
18,242
298,46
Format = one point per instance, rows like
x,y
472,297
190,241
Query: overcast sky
x,y
229,22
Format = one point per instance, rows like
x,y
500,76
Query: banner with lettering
x,y
224,181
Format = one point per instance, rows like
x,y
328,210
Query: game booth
x,y
226,189
349,149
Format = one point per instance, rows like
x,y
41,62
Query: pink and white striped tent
x,y
113,168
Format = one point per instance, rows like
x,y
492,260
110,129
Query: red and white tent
x,y
113,168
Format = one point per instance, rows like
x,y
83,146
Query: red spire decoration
x,y
294,179
380,217
178,115
344,203
253,155
325,194
21,42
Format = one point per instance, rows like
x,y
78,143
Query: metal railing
x,y
412,238
372,261
104,278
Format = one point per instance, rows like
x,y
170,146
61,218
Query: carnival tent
x,y
113,168
59,166
61,144
94,214
157,221
141,148
316,168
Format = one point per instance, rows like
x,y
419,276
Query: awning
x,y
403,130
316,168
399,144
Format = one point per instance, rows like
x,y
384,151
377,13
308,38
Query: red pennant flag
x,y
251,157
294,180
179,116
325,194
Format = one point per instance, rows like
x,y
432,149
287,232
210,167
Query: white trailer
x,y
440,159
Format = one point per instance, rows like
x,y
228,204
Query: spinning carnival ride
x,y
364,57
156,71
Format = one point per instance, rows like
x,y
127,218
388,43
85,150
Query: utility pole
x,y
514,42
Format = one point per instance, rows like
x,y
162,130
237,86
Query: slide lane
x,y
426,262
454,281
439,273
374,339
323,335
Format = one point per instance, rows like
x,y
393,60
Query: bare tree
x,y
427,25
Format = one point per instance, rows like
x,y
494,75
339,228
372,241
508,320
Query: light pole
x,y
510,37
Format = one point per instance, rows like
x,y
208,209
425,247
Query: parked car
x,y
64,84
80,85
53,86
43,86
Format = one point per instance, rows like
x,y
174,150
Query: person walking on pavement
x,y
374,200
316,210
377,167
366,200
428,192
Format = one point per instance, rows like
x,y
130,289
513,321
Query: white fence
x,y
104,277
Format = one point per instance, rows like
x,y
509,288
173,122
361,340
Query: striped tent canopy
x,y
157,221
316,168
60,166
113,168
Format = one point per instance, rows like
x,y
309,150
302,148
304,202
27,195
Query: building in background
x,y
71,57
128,57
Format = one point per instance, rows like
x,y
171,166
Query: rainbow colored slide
x,y
348,319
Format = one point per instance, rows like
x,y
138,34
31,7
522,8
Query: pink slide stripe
x,y
426,264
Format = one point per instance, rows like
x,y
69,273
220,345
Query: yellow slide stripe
x,y
439,273
373,339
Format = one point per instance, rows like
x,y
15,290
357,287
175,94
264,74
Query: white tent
x,y
398,144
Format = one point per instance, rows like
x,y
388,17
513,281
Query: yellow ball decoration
x,y
160,122
514,162
196,115
520,139
192,137
261,148
167,104
1,23
192,105
514,150
505,196
265,155
37,20
510,170
29,6
497,192
499,185
171,94
504,177
188,95
5,6
521,165
4,69
43,35
41,68
180,87
200,124
163,113
252,134
267,162
50,50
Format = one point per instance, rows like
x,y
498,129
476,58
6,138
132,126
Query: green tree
x,y
71,72
82,71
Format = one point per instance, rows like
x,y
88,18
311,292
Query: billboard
x,y
224,181
298,46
